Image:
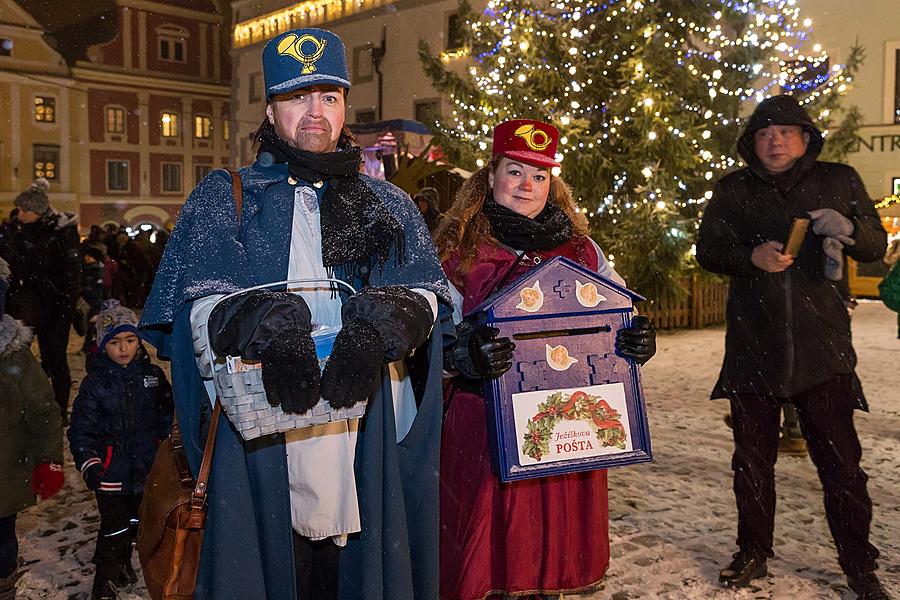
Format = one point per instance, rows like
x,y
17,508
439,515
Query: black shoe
x,y
103,589
745,567
867,587
126,576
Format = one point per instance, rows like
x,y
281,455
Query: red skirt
x,y
548,535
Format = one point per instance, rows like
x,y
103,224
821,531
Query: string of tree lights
x,y
648,96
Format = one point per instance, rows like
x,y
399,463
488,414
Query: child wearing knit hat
x,y
123,410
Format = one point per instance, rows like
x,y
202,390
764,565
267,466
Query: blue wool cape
x,y
247,548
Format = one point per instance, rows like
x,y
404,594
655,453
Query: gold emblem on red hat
x,y
292,45
536,139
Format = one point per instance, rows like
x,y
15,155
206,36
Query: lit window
x,y
46,161
171,177
169,124
226,129
44,109
115,120
117,175
201,127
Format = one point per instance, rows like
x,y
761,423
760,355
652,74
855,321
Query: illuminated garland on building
x,y
887,201
304,14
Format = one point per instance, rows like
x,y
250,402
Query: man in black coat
x,y
788,330
41,246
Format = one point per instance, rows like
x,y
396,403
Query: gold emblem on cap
x,y
292,45
535,138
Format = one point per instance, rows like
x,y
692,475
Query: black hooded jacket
x,y
45,263
786,332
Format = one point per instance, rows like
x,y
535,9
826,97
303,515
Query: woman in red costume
x,y
537,536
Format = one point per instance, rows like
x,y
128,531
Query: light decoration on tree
x,y
736,53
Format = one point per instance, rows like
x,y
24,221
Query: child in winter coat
x,y
123,410
30,436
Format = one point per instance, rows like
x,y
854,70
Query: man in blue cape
x,y
343,510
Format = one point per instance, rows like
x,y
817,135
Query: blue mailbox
x,y
569,403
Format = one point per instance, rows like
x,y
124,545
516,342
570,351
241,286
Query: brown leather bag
x,y
172,517
173,510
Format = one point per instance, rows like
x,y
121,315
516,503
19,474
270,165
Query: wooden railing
x,y
703,305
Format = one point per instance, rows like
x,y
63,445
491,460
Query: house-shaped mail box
x,y
569,403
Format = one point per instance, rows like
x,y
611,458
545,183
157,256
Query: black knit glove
x,y
478,353
638,341
381,325
275,329
92,476
353,371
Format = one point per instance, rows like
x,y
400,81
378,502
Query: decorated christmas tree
x,y
648,97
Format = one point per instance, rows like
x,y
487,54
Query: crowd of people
x,y
404,503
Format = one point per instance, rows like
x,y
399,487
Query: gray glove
x,y
831,223
834,257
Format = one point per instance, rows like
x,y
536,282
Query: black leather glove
x,y
92,476
275,329
638,341
478,353
381,325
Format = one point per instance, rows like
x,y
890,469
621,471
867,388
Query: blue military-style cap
x,y
303,58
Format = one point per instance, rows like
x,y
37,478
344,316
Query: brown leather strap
x,y
237,190
198,498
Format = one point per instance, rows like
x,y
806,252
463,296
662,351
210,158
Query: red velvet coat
x,y
547,535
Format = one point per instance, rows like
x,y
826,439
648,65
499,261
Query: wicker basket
x,y
240,387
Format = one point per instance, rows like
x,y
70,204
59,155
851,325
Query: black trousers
x,y
316,568
118,527
826,419
52,330
9,546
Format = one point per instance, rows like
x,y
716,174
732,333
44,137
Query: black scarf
x,y
550,229
358,231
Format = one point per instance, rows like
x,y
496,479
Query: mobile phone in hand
x,y
795,237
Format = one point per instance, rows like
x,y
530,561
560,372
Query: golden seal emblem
x,y
535,138
292,45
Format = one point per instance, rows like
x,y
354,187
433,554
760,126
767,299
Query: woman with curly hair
x,y
536,536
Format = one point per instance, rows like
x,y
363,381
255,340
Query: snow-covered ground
x,y
672,521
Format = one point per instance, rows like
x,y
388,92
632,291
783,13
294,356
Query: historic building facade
x,y
140,116
157,109
40,130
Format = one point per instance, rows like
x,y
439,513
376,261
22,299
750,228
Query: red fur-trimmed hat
x,y
532,142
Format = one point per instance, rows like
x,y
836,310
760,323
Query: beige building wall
x,y
837,25
31,70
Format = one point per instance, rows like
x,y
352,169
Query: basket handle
x,y
331,280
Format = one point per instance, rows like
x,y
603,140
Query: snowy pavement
x,y
672,522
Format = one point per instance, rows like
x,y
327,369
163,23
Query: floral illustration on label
x,y
604,420
558,358
587,294
532,298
